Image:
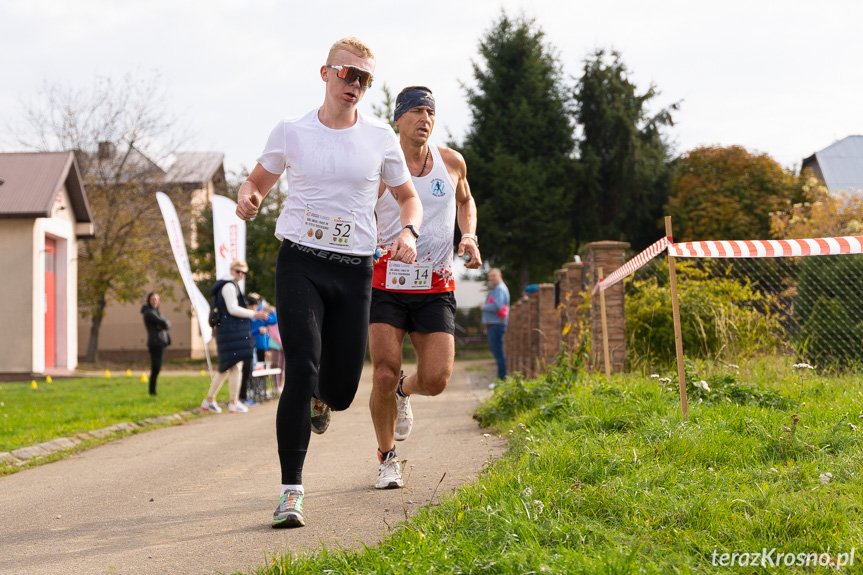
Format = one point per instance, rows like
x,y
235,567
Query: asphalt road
x,y
199,497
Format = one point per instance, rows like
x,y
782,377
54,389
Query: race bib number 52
x,y
328,230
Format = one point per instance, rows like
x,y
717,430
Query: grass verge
x,y
608,477
66,407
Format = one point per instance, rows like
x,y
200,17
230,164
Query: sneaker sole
x,y
395,484
287,522
400,437
319,430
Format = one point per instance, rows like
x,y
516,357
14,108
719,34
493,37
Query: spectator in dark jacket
x,y
157,336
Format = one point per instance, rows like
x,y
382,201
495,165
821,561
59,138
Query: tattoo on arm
x,y
395,194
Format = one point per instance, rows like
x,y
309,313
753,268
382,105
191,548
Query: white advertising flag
x,y
229,236
178,245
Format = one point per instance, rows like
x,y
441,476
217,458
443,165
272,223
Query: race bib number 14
x,y
402,276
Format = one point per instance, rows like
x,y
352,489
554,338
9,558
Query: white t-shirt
x,y
333,179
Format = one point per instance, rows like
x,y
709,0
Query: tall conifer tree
x,y
624,176
518,152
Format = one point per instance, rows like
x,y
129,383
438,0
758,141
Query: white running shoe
x,y
390,474
289,513
210,406
405,417
238,407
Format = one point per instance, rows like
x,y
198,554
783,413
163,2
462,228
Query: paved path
x,y
198,498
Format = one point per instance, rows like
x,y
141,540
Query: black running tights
x,y
322,301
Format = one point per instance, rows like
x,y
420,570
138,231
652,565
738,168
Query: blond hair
x,y
239,265
353,45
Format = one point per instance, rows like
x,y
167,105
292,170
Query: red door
x,y
50,303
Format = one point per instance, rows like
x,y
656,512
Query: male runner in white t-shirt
x,y
417,298
334,158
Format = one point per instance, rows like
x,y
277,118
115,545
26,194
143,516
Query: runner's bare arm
x,y
253,191
404,249
465,205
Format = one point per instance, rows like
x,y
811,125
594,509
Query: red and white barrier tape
x,y
768,248
736,249
632,265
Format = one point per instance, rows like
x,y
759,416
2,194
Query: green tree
x,y
112,128
623,167
728,193
518,152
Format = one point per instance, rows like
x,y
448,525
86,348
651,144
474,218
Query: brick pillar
x,y
522,330
549,326
609,256
528,344
509,338
569,307
524,338
534,349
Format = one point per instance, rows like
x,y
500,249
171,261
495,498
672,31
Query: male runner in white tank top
x,y
417,299
334,158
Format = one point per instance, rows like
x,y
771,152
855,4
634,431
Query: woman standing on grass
x,y
157,336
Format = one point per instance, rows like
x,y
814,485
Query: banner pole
x,y
675,312
604,328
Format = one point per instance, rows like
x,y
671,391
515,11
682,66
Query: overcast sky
x,y
785,78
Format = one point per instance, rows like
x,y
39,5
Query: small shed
x,y
43,214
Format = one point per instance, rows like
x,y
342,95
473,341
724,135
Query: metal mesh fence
x,y
736,308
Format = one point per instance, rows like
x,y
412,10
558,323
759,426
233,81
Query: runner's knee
x,y
433,385
385,380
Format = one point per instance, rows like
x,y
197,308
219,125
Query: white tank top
x,y
436,191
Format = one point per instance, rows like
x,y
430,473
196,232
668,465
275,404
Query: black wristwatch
x,y
413,230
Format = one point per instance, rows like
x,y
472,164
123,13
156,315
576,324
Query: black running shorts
x,y
414,312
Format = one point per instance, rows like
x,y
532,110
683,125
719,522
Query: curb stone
x,y
27,454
